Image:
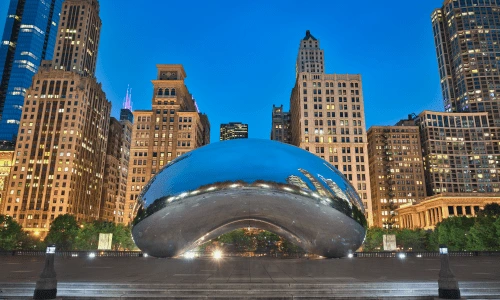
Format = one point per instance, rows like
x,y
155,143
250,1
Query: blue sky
x,y
240,55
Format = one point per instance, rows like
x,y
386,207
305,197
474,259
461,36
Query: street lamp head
x,y
443,249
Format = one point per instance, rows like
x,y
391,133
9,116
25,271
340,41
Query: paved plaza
x,y
370,278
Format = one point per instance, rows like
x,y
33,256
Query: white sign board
x,y
389,242
105,241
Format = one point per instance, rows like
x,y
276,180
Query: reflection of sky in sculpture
x,y
250,161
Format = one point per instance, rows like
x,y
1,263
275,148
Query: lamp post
x,y
447,283
46,285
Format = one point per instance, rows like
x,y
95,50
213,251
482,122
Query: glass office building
x,y
29,37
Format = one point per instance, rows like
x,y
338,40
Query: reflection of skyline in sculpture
x,y
317,185
297,181
244,182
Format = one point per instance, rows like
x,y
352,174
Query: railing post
x,y
46,285
447,283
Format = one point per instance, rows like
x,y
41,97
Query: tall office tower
x,y
172,128
467,46
396,171
233,130
460,153
327,117
280,129
116,170
63,135
111,180
29,37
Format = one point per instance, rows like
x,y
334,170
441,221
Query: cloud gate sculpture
x,y
249,183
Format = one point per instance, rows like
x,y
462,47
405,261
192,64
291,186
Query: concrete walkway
x,y
370,278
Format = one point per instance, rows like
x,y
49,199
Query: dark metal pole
x,y
46,285
447,283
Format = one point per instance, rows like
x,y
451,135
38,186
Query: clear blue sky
x,y
240,55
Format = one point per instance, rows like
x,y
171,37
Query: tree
x,y
267,241
88,236
237,240
490,210
414,240
374,239
63,232
484,236
122,238
10,233
453,232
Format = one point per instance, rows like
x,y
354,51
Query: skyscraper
x,y
172,128
280,128
467,46
62,139
29,37
396,171
116,169
327,117
233,130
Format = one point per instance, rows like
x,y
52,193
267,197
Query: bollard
x,y
46,285
448,285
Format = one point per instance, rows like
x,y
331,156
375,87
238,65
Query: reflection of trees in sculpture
x,y
253,240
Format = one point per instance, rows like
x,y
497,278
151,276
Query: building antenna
x,y
127,102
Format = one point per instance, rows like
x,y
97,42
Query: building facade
x,y
6,162
327,117
233,130
172,128
460,153
427,214
61,147
396,171
111,180
29,37
280,128
465,34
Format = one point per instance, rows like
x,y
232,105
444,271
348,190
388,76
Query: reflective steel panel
x,y
249,183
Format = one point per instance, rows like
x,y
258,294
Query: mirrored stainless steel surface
x,y
249,183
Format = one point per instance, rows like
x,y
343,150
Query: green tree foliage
x,y
490,210
88,236
237,240
63,232
453,232
10,233
412,240
374,239
267,241
484,235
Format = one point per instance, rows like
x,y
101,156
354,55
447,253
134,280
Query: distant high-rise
x,y
280,129
29,37
63,135
467,46
233,130
327,117
460,152
116,170
396,171
172,128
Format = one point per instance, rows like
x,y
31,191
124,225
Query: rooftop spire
x,y
127,102
309,36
